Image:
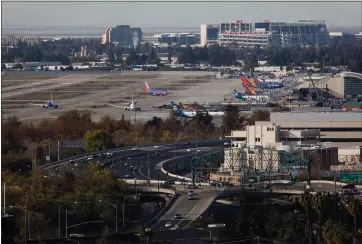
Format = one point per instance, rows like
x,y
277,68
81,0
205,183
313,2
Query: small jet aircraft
x,y
131,106
49,104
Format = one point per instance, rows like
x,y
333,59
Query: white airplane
x,y
131,106
49,104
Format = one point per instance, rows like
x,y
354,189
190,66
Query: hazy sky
x,y
175,14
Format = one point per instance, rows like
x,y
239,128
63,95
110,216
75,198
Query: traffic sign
x,y
215,225
350,177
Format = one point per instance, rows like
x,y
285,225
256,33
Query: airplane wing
x,y
37,104
117,106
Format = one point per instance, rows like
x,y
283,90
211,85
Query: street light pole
x,y
114,205
25,221
66,222
124,199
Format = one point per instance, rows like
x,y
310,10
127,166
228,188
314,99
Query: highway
x,y
188,209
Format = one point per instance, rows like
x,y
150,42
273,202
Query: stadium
x,y
269,33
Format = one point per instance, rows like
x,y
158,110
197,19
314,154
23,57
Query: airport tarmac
x,y
96,90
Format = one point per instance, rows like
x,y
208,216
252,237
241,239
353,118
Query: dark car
x,y
178,216
187,143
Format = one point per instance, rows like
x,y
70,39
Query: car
x,y
90,157
226,143
157,146
190,197
127,176
189,150
135,148
168,224
178,216
191,193
109,154
187,143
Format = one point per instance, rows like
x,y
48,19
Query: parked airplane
x,y
155,92
245,97
190,114
238,95
49,104
175,106
131,106
269,84
247,81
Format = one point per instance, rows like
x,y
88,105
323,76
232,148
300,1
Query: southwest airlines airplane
x,y
270,84
244,97
155,92
49,104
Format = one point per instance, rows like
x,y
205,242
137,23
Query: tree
x,y
232,119
334,232
353,208
97,140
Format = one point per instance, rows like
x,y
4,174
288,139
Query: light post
x,y
124,199
25,220
207,231
59,217
116,212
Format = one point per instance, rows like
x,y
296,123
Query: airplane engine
x,y
126,109
45,106
138,109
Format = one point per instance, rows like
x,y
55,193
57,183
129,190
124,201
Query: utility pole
x,y
49,151
148,168
58,150
4,198
66,223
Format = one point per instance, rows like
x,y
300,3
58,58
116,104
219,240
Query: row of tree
x,y
346,51
23,142
80,191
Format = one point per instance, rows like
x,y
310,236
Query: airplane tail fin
x,y
245,81
252,83
250,91
147,88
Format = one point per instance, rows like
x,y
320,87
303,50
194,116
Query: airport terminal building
x,y
271,33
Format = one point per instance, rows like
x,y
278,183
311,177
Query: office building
x,y
124,35
209,34
271,33
106,37
14,40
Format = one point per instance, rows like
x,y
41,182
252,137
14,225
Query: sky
x,y
175,14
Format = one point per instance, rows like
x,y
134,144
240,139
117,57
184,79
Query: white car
x,y
168,224
226,143
135,148
157,146
90,157
189,150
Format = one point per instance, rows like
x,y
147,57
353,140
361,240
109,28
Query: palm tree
x,y
353,207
